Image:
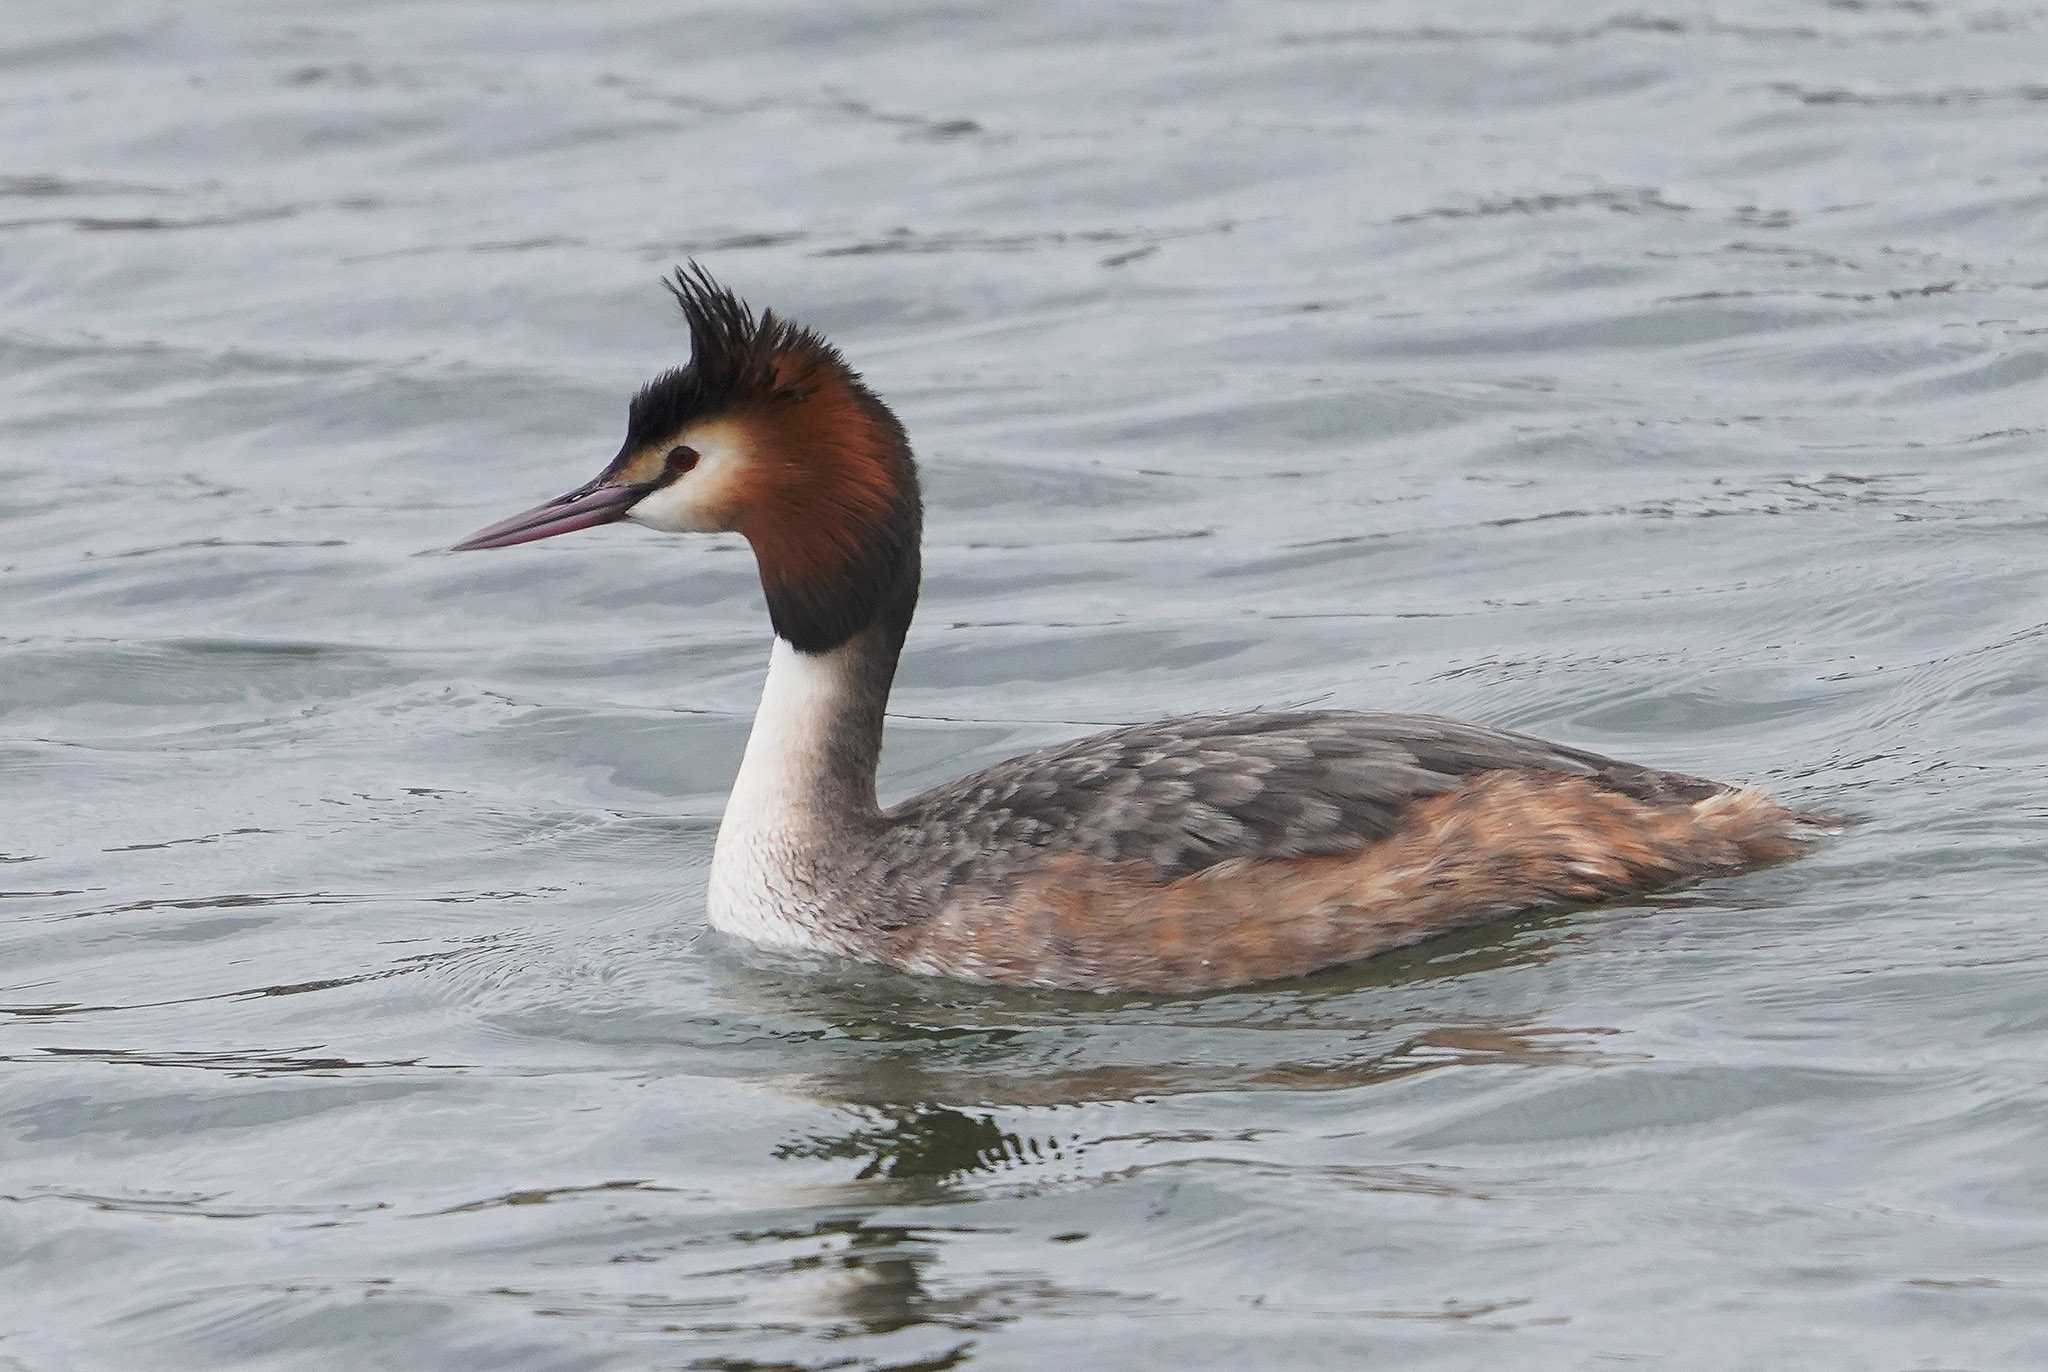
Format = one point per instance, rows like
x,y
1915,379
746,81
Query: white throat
x,y
805,790
794,754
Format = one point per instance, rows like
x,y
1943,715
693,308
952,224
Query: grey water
x,y
1666,380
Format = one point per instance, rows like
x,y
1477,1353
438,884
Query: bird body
x,y
1185,854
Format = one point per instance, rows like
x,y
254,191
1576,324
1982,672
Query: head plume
x,y
829,494
736,358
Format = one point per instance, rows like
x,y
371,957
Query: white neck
x,y
805,756
805,793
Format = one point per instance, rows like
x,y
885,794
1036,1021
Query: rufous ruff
x,y
1182,855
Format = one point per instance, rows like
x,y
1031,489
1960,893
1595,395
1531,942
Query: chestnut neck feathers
x,y
829,499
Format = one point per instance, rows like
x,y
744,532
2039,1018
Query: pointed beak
x,y
583,508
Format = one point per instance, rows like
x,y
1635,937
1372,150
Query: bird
x,y
1183,855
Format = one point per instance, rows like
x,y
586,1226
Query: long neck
x,y
841,607
803,804
817,736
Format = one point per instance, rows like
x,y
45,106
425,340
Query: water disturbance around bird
x,y
1663,382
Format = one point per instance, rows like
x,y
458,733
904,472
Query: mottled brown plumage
x,y
1502,843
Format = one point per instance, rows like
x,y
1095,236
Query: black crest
x,y
733,356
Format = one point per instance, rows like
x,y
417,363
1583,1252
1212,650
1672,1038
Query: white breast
x,y
769,869
760,890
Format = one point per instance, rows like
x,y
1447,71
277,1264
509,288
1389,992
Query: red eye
x,y
680,460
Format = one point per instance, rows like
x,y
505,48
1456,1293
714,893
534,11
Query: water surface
x,y
1667,381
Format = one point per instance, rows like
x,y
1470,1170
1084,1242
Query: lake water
x,y
1666,381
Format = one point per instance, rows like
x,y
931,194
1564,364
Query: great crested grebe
x,y
1182,855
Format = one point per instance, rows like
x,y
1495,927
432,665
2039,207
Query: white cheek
x,y
702,500
676,508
